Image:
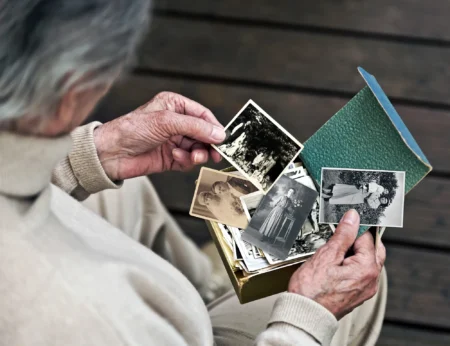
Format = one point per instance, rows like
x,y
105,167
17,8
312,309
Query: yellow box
x,y
252,286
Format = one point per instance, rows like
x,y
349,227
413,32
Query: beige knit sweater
x,y
67,277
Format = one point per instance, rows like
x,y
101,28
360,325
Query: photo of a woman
x,y
274,221
280,216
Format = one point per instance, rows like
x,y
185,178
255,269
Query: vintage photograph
x,y
306,243
217,197
251,262
280,216
258,146
295,172
251,202
378,196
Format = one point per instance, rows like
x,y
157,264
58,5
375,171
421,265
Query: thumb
x,y
345,235
174,124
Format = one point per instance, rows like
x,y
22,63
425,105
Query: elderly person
x,y
115,269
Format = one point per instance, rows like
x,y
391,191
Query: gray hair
x,y
49,46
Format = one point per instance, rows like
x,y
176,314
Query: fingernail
x,y
199,157
177,154
218,133
351,217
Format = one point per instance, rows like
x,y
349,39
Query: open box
x,y
367,133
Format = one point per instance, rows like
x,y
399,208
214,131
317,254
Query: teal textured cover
x,y
367,133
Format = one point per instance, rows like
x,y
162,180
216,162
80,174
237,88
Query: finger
x,y
195,109
215,155
182,105
345,235
182,159
199,153
186,143
364,245
199,156
198,145
173,124
189,145
363,251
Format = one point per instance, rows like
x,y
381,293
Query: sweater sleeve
x,y
297,320
81,173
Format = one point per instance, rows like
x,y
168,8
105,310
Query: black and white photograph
x,y
251,202
378,196
251,263
294,172
307,243
226,234
258,146
217,197
280,216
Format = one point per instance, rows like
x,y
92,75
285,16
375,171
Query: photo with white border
x,y
378,196
258,146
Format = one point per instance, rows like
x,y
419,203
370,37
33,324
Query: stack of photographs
x,y
269,209
251,258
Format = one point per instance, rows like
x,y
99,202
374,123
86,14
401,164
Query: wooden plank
x,y
414,18
297,59
419,284
302,114
427,217
394,335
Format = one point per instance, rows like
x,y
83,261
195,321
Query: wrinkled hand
x,y
171,132
341,284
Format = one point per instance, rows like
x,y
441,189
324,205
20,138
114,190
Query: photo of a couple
x,y
217,197
377,195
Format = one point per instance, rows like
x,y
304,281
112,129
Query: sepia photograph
x,y
217,197
280,216
258,146
378,196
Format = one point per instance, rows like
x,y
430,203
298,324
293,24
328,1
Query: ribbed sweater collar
x,y
27,162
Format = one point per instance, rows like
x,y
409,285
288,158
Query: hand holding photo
x,y
378,196
217,195
258,146
280,217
